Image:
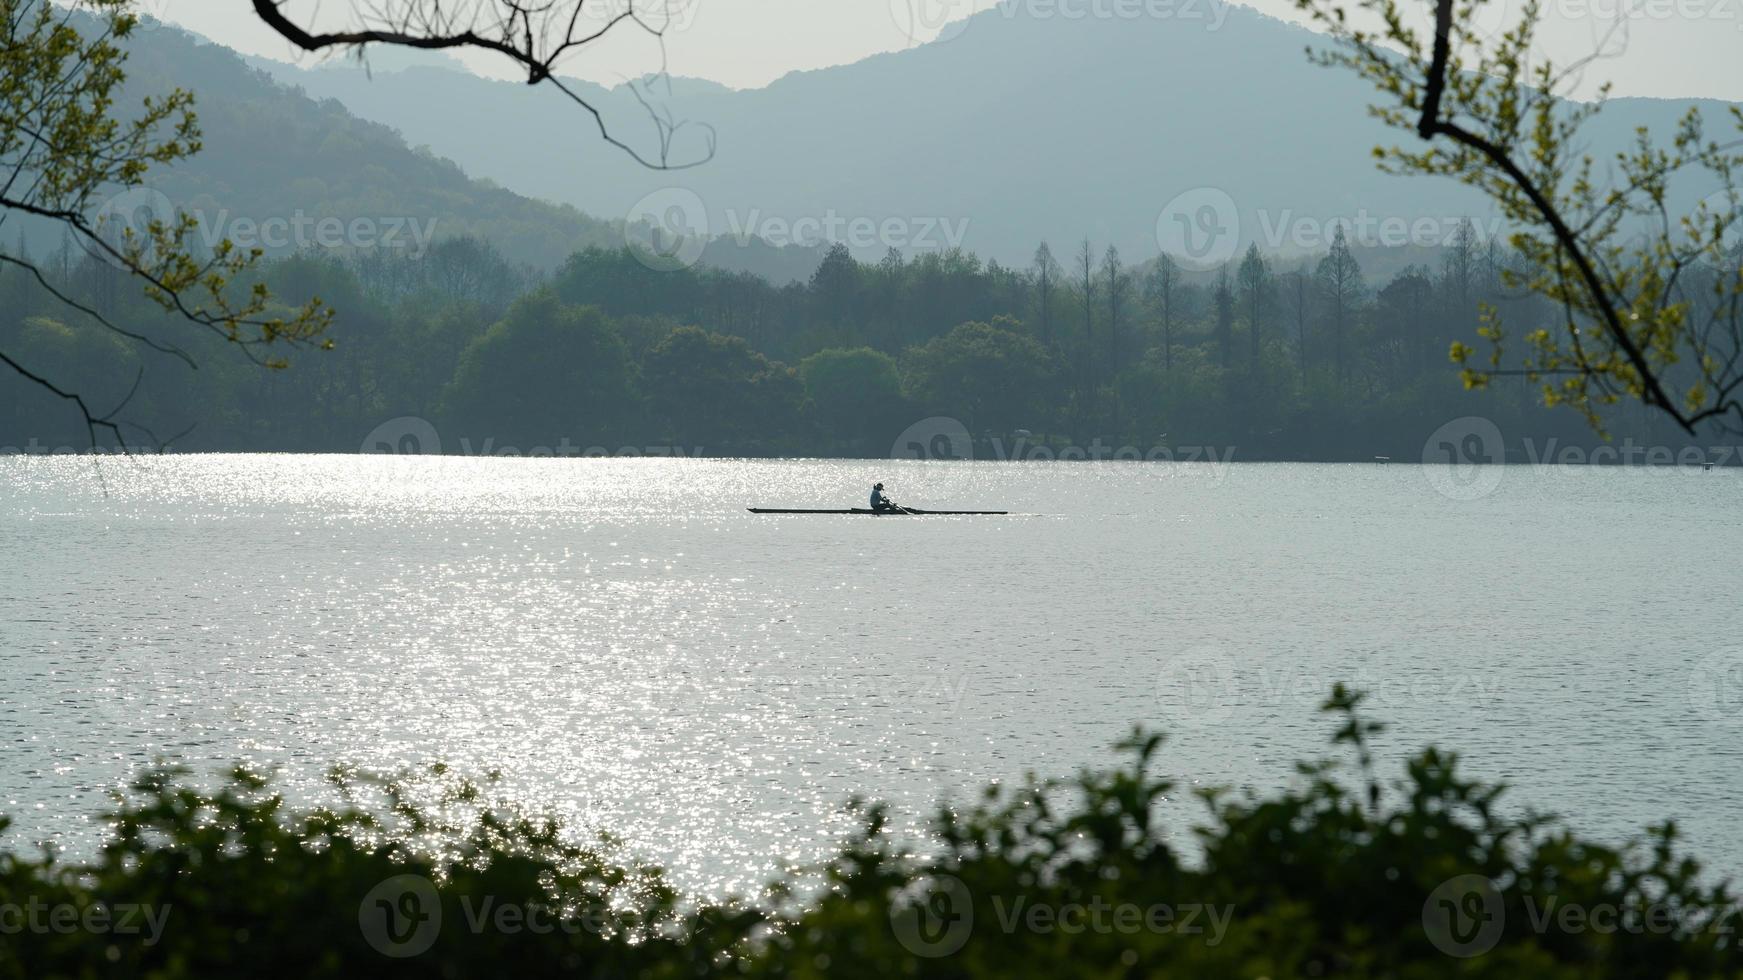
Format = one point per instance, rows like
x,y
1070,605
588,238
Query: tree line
x,y
1282,357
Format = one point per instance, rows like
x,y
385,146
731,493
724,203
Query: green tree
x,y
1404,321
987,375
94,362
855,394
835,285
716,391
544,373
66,151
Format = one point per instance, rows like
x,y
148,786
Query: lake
x,y
631,649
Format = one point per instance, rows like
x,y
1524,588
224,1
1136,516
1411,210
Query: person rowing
x,y
881,504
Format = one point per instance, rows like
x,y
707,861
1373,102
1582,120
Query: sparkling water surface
x,y
633,650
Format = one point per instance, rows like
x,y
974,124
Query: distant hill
x,y
1016,129
272,153
283,170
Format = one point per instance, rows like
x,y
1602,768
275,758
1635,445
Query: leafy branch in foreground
x,y
1337,875
1650,301
1332,877
64,150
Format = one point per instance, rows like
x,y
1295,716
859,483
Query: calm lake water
x,y
630,648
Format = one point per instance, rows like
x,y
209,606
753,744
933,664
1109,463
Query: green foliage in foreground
x,y
1335,876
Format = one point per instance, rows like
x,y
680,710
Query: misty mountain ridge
x,y
836,154
285,172
1195,136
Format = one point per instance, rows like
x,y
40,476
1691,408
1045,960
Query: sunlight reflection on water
x,y
632,649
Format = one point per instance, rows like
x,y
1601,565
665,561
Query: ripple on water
x,y
632,650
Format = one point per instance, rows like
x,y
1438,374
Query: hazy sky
x,y
1669,47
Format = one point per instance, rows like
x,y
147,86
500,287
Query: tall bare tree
x,y
1118,284
1255,280
1086,352
1225,316
1301,305
1046,275
1340,285
1159,290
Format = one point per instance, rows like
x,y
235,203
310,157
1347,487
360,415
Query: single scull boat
x,y
901,512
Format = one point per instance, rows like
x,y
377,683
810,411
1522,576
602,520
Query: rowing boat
x,y
905,511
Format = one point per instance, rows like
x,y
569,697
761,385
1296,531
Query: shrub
x,y
1339,875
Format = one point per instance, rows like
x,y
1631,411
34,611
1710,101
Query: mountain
x,y
276,164
1017,128
284,171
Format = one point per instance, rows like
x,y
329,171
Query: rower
x,y
880,503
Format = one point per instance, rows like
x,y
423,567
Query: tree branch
x,y
539,68
1429,125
